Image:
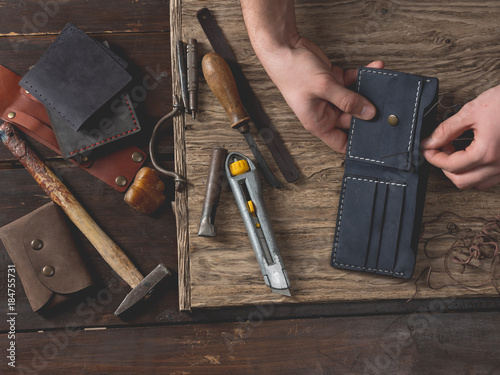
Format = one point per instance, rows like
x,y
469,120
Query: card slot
x,y
367,225
376,225
389,239
354,222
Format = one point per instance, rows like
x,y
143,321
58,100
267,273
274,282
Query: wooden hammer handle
x,y
60,194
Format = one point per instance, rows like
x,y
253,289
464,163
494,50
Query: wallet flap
x,y
11,235
75,77
115,121
388,139
52,251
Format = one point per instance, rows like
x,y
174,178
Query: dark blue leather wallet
x,y
383,189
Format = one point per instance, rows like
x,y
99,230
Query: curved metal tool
x,y
179,181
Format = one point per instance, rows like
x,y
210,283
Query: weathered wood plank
x,y
414,344
439,39
32,17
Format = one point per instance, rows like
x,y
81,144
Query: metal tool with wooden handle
x,y
60,194
221,81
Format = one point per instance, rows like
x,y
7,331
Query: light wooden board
x,y
454,41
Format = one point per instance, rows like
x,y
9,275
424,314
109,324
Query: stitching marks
x,y
340,223
354,119
412,123
376,181
116,136
413,119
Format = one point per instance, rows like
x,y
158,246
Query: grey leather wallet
x,y
385,179
76,76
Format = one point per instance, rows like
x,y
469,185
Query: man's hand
x,y
310,85
479,164
313,88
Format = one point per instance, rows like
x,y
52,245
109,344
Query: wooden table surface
x,y
425,336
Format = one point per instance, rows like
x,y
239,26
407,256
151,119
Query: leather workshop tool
x,y
216,175
221,81
192,76
59,193
179,181
181,61
245,184
262,122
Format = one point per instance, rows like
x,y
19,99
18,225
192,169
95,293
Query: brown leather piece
x,y
117,164
30,115
32,119
47,224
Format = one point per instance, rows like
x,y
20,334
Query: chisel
x,y
221,81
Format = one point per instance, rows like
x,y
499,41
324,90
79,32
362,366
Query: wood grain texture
x,y
440,39
181,196
417,344
34,17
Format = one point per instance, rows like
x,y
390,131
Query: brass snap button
x,y
36,244
393,120
138,157
48,271
11,115
121,181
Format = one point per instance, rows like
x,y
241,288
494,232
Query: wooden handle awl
x,y
221,81
60,194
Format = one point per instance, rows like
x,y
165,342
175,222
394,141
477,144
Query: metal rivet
x,y
36,244
393,120
48,271
85,158
11,114
138,157
121,181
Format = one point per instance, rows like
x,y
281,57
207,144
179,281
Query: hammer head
x,y
144,288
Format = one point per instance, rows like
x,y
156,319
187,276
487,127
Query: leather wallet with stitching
x,y
112,122
76,76
383,189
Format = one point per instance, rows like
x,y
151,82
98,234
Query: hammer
x,y
59,193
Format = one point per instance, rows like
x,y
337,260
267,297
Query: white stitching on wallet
x,y
340,222
354,119
413,119
412,122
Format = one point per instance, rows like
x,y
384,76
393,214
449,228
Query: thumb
x,y
447,131
350,102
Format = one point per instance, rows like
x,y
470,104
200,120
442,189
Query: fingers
x,y
350,75
481,178
350,102
447,131
456,162
347,100
336,139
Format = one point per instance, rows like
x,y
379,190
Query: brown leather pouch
x,y
20,108
47,261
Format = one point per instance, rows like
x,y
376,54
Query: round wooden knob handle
x,y
221,81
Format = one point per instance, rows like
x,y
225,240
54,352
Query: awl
x,y
221,82
245,184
